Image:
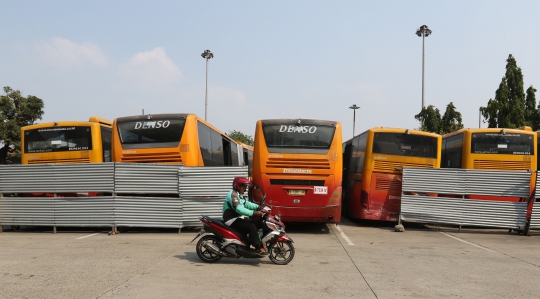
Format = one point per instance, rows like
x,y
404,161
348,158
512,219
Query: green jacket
x,y
236,205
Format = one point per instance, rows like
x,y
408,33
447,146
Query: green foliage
x,y
16,111
510,108
241,137
431,120
451,120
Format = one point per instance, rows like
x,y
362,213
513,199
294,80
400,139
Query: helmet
x,y
239,181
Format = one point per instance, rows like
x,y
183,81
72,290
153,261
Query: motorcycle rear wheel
x,y
281,253
204,254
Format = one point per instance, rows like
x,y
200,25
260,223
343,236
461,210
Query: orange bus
x,y
297,163
373,165
491,149
173,139
67,142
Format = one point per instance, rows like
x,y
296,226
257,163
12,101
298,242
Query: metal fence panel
x,y
27,211
148,211
57,178
437,180
535,216
84,211
467,212
195,207
146,178
208,181
498,183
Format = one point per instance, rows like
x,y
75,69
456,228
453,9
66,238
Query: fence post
x,y
1,227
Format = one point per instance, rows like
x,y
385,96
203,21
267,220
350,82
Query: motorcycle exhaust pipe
x,y
214,249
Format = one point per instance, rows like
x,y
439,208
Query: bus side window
x,y
205,144
106,134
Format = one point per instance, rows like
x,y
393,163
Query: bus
x,y
247,156
173,139
373,169
67,142
491,149
297,163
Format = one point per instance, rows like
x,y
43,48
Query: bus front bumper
x,y
328,214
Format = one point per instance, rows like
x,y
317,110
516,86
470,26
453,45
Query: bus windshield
x,y
151,133
57,139
314,139
402,144
496,143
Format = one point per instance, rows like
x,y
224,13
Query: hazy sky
x,y
272,59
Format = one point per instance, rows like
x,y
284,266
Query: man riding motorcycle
x,y
237,210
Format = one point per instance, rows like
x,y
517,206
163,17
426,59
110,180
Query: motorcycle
x,y
223,241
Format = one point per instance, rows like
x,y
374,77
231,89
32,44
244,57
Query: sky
x,y
272,59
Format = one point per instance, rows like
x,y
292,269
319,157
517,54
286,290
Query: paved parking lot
x,y
354,259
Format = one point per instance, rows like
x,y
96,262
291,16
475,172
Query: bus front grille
x,y
389,183
73,161
391,166
165,157
502,165
298,163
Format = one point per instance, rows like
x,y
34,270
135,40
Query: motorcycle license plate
x,y
297,192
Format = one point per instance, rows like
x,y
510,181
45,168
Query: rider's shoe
x,y
261,251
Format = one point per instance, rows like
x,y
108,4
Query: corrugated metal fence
x,y
440,196
535,215
132,195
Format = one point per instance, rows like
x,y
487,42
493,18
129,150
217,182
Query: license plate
x,y
297,192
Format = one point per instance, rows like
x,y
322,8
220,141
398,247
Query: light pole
x,y
423,31
206,55
354,107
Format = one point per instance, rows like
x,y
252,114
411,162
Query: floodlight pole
x,y
206,55
354,107
423,31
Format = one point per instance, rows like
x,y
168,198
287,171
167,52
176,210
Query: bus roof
x,y
298,121
63,123
395,130
522,130
100,120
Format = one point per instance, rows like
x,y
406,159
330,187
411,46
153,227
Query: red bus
x,y
298,163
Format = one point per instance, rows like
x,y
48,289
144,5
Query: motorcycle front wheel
x,y
205,254
281,253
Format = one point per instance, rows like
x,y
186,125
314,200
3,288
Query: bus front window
x,y
57,139
151,133
298,138
497,143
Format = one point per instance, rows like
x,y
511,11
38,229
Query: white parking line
x,y
481,247
87,236
343,235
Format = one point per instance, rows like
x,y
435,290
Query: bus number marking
x,y
297,129
152,124
320,190
296,170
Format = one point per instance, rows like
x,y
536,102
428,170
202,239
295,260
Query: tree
x,y
532,114
430,119
241,137
451,120
16,111
510,109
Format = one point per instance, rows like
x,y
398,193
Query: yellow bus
x,y
173,139
297,163
491,149
373,166
247,156
67,142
